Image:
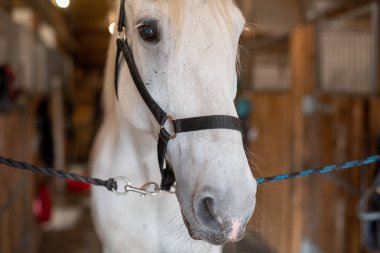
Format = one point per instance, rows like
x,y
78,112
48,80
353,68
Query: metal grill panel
x,y
347,52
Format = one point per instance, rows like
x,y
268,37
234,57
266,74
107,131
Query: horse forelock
x,y
221,7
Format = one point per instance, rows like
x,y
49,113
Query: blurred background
x,y
308,95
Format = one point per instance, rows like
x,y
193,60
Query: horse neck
x,y
134,150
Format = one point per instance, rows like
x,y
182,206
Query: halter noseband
x,y
179,125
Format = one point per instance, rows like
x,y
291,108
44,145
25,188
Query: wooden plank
x,y
272,155
5,239
374,115
301,54
16,137
337,196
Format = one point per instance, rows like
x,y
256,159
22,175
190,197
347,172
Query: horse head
x,y
186,53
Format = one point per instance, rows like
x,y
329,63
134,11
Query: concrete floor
x,y
79,239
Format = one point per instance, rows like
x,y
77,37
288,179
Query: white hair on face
x,y
175,9
222,7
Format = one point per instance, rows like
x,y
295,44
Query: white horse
x,y
186,52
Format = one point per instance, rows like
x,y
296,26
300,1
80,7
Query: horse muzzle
x,y
233,232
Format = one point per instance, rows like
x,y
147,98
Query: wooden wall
x,y
317,213
273,155
17,227
268,17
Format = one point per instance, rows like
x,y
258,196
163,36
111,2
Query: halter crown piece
x,y
179,125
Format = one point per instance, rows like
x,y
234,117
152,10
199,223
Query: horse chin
x,y
190,229
215,240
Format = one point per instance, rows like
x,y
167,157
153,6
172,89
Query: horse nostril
x,y
206,214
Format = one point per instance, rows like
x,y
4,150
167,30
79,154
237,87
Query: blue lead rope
x,y
111,183
322,170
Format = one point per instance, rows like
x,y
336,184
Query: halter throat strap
x,y
179,125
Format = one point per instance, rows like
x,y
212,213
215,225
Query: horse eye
x,y
149,32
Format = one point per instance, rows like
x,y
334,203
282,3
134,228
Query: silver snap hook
x,y
119,181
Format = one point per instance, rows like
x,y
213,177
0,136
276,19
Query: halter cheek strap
x,y
179,125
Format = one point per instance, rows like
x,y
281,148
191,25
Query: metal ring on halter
x,y
124,37
172,189
172,119
127,184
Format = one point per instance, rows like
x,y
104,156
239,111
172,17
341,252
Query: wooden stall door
x,y
337,136
316,214
335,130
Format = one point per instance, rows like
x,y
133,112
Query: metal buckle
x,y
122,35
172,119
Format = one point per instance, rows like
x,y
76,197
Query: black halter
x,y
179,125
